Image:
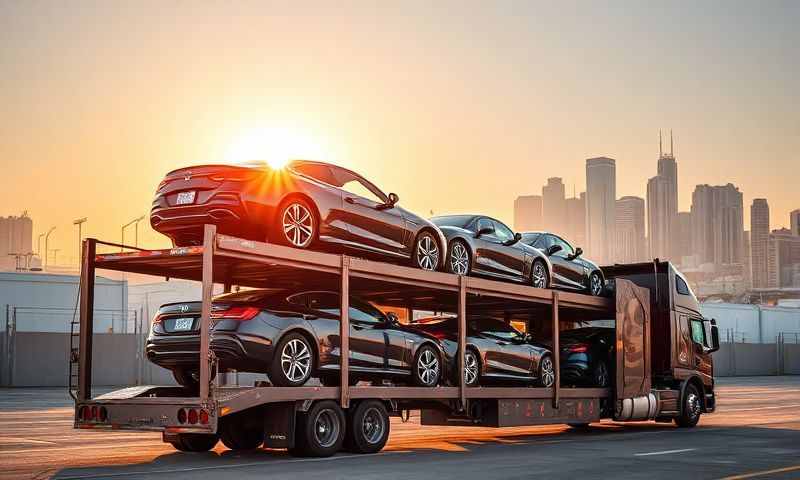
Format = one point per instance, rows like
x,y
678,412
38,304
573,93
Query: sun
x,y
276,146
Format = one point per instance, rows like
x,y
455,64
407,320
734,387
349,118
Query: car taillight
x,y
192,416
236,313
578,349
158,319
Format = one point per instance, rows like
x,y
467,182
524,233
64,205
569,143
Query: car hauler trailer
x,y
663,367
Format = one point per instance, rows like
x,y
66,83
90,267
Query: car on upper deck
x,y
306,204
569,269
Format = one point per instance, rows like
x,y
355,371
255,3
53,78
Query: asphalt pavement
x,y
755,433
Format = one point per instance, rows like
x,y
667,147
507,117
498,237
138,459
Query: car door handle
x,y
358,327
350,200
502,343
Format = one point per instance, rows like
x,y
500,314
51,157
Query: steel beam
x,y
556,351
344,333
462,338
209,235
86,319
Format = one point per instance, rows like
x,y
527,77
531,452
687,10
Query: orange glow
x,y
275,145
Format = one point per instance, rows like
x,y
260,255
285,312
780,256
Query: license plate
x,y
185,198
183,324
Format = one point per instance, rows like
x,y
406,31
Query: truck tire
x,y
691,408
320,431
243,431
367,427
195,442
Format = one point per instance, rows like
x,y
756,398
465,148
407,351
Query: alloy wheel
x,y
547,373
596,285
296,360
539,275
298,225
427,253
428,367
470,368
373,425
693,405
459,259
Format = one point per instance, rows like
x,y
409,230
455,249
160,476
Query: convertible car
x,y
496,352
292,336
304,205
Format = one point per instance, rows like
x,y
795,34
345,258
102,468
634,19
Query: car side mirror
x,y
393,199
393,318
553,249
578,253
528,337
484,231
512,241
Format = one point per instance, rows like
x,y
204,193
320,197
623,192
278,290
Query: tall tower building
x,y
576,220
554,206
629,241
759,242
601,196
718,224
528,213
794,222
662,205
683,235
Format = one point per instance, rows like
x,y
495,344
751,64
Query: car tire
x,y
472,368
186,378
242,431
459,259
293,361
426,371
320,431
600,375
691,407
367,427
427,253
596,287
195,442
296,224
546,374
540,277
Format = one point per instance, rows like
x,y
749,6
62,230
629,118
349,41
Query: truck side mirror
x,y
714,336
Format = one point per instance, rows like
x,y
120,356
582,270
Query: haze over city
x,y
456,107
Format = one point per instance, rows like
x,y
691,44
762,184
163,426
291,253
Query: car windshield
x,y
460,221
497,328
530,238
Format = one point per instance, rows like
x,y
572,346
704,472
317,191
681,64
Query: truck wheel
x,y
367,427
691,408
195,442
320,431
242,432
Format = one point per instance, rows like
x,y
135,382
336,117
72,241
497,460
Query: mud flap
x,y
279,421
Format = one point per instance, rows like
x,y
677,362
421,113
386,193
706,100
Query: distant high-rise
x,y
748,261
554,206
759,242
718,224
528,213
662,205
576,220
794,221
601,196
783,259
16,238
683,236
629,240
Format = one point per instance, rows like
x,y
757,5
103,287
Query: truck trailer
x,y
663,346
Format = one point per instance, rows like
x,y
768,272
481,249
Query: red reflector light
x,y
181,416
578,349
236,313
204,417
192,416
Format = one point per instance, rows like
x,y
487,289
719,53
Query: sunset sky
x,y
457,106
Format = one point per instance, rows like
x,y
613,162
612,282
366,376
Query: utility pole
x,y
46,243
79,222
134,222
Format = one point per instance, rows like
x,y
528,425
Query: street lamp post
x,y
39,245
134,222
46,243
79,222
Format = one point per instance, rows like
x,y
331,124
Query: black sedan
x,y
292,336
587,356
481,245
496,352
569,269
304,205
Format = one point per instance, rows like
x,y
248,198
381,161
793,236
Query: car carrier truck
x,y
663,371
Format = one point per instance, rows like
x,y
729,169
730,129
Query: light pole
x,y
39,245
134,222
79,222
46,243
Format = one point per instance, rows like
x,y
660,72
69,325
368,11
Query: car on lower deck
x,y
587,356
570,271
306,204
293,336
497,353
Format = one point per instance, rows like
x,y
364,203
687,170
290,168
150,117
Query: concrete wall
x,y
752,323
746,359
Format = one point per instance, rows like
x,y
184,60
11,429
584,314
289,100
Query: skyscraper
x,y
576,220
16,238
601,196
554,206
683,235
629,240
718,224
759,242
662,205
794,221
783,259
528,213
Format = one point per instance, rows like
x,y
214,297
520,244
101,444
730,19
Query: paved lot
x,y
755,431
